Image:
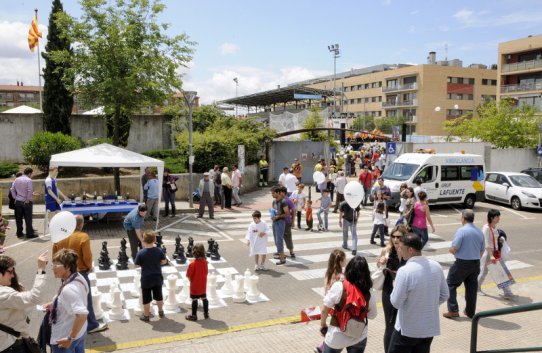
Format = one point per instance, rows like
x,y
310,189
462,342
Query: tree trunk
x,y
116,142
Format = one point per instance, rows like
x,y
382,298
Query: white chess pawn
x,y
253,292
171,302
212,295
97,304
114,285
116,312
247,278
227,288
136,291
239,295
184,295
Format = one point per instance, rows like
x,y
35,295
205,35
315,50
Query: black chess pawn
x,y
104,261
215,256
181,259
159,242
122,264
190,247
210,243
177,247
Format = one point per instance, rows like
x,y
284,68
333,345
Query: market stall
x,y
106,155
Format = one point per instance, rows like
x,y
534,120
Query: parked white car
x,y
516,189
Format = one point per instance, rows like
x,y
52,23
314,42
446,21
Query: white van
x,y
447,178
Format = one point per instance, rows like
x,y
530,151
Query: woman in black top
x,y
392,261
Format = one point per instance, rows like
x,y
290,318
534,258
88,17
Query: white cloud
x,y
228,48
525,19
17,62
221,86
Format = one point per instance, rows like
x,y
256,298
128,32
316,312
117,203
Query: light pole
x,y
189,97
333,48
236,80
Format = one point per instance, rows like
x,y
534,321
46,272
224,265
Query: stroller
x,y
196,196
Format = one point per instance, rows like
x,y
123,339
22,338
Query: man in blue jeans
x,y
348,219
280,210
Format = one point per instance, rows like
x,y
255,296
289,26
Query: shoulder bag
x,y
30,344
496,251
378,276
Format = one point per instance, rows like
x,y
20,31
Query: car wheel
x,y
515,203
469,201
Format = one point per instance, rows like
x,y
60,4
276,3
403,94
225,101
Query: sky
x,y
278,42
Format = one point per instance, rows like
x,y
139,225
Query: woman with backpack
x,y
353,302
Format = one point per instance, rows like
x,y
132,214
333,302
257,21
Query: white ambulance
x,y
447,177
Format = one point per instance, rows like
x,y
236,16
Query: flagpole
x,y
39,69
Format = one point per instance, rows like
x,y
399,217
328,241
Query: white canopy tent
x,y
106,155
22,109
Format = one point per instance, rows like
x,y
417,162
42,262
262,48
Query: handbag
x,y
378,278
173,187
30,344
496,251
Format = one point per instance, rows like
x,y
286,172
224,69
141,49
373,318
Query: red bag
x,y
496,252
310,314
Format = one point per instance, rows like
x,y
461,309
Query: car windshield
x,y
525,181
399,171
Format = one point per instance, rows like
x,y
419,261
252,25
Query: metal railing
x,y
522,87
499,312
408,86
524,65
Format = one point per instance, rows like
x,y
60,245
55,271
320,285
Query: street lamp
x,y
333,48
236,80
189,97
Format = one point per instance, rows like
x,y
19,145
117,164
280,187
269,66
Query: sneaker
x,y
281,262
292,255
345,247
101,327
276,256
317,350
205,315
256,268
161,314
465,313
354,252
263,268
145,318
191,317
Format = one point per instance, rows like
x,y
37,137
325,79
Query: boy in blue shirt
x,y
325,203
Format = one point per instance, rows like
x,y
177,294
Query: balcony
x,y
523,87
399,104
522,66
406,87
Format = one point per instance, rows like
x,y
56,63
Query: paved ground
x,y
267,326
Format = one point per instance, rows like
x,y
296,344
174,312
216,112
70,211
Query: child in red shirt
x,y
197,274
308,215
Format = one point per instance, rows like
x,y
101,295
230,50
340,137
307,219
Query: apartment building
x,y
426,95
16,95
520,71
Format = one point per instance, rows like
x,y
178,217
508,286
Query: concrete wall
x,y
512,160
147,132
282,154
130,184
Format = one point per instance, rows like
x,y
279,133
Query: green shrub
x,y
8,169
39,149
171,158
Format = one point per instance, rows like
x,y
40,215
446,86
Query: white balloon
x,y
353,193
61,226
437,109
318,177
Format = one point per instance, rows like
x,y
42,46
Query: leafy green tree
x,y
315,120
502,124
385,124
123,59
39,149
364,123
57,99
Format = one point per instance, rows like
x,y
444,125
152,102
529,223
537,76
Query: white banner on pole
x,y
241,157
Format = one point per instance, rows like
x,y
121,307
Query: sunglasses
x,y
57,266
396,236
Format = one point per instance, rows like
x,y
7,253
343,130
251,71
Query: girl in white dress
x,y
256,238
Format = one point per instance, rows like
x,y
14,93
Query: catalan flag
x,y
33,34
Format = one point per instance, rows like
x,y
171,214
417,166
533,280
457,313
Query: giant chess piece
x,y
116,312
239,294
253,293
97,304
177,246
114,285
215,256
247,279
104,261
171,302
190,247
181,259
227,289
135,292
184,295
160,243
212,294
138,309
122,264
210,246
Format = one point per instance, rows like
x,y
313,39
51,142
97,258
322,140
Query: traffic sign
x,y
539,151
391,148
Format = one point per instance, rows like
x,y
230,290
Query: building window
x,y
359,100
462,80
460,96
359,87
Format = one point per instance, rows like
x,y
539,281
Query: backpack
x,y
501,234
350,315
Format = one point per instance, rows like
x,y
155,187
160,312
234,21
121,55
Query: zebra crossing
x,y
312,249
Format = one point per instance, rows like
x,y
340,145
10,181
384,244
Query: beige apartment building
x,y
520,70
426,95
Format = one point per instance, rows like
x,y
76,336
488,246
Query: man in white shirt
x,y
282,177
340,183
237,183
419,289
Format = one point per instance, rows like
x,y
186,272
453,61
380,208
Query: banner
x,y
500,274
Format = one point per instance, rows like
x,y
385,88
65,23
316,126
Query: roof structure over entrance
x,y
279,95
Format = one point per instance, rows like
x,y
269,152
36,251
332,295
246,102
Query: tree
x,y
123,59
57,99
364,123
313,121
39,149
502,124
385,124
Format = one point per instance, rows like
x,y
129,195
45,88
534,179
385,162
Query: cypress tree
x,y
57,100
